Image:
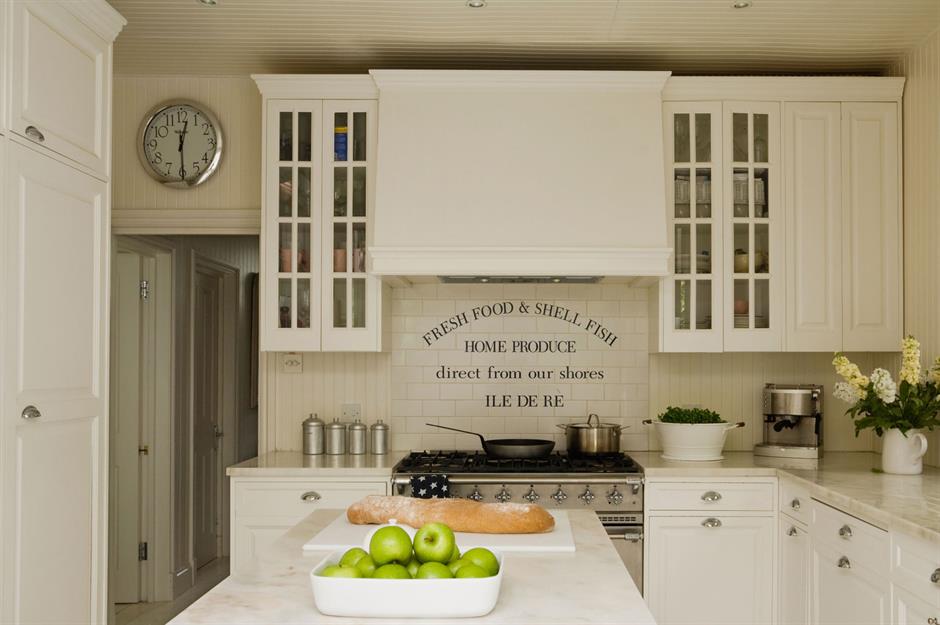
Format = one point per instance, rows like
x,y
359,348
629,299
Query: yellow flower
x,y
910,361
935,371
851,374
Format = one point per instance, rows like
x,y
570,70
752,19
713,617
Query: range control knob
x,y
503,495
531,496
476,495
614,497
587,496
559,496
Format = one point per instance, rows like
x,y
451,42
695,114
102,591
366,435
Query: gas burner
x,y
454,462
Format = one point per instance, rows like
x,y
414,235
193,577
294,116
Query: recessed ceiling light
x,y
740,4
208,3
476,4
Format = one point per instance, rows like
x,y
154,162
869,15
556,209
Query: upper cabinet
x,y
319,173
802,251
61,53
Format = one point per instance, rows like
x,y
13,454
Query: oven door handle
x,y
630,534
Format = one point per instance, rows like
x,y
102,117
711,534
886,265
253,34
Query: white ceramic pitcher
x,y
901,454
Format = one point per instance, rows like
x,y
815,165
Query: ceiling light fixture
x,y
741,4
208,3
476,4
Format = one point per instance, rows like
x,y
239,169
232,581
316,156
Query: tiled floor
x,y
160,612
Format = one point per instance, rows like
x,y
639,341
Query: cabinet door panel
x,y
849,594
699,575
872,225
794,569
908,609
58,60
813,192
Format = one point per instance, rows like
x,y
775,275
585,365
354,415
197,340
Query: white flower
x,y
851,374
910,361
846,392
884,386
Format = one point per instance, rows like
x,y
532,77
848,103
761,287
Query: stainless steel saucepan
x,y
592,437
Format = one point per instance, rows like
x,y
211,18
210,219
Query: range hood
x,y
510,173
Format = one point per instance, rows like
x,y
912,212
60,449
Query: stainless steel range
x,y
609,484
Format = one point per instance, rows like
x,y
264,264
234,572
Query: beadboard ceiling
x,y
685,36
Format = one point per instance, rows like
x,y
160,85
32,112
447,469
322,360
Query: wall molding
x,y
316,86
186,221
516,80
784,88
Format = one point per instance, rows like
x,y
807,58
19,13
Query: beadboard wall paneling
x,y
921,67
236,102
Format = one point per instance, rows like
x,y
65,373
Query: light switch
x,y
351,412
292,362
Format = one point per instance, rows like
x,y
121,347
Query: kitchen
x,y
669,214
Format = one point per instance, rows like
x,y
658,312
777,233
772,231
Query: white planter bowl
x,y
404,598
696,442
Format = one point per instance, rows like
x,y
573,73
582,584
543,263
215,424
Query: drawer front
x,y
915,564
795,501
708,496
295,500
851,537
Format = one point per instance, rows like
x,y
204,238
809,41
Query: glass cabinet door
x,y
692,294
753,218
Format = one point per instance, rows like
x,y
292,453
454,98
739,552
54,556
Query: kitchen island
x,y
588,586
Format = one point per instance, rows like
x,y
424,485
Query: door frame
x,y
228,387
158,387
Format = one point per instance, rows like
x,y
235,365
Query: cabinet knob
x,y
845,532
711,523
35,134
844,563
311,495
30,412
932,620
795,504
935,577
711,496
791,531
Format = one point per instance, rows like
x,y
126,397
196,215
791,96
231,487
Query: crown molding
x,y
316,86
784,88
521,261
462,80
99,16
185,221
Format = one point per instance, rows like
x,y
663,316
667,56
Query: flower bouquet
x,y
898,411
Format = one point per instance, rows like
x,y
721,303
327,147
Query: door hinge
x,y
145,289
142,551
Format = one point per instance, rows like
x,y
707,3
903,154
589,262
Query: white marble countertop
x,y
845,480
588,586
295,464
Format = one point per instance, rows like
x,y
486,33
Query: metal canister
x,y
313,436
358,432
380,436
335,438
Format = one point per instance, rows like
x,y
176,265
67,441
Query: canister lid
x,y
313,421
358,425
336,425
379,425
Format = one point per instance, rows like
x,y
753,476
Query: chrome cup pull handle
x,y
844,563
935,577
791,531
795,504
711,523
932,620
310,496
845,532
30,412
711,496
35,134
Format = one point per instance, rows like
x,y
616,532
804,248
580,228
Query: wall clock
x,y
180,143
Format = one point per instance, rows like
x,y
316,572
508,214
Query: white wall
x,y
921,67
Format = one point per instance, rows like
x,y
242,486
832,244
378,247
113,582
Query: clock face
x,y
180,144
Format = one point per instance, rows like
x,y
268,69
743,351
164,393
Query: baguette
x,y
461,515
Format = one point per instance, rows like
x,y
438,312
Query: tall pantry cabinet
x,y
55,133
784,208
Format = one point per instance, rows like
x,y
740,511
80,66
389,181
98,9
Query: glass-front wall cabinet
x,y
316,294
691,296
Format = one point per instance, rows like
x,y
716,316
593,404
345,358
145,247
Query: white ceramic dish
x,y
404,598
699,442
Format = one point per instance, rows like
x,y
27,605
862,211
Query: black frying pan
x,y
509,448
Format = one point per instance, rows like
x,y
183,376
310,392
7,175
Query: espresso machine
x,y
792,421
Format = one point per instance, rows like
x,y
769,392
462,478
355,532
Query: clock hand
x,y
182,171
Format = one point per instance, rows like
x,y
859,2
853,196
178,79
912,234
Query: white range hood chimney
x,y
512,173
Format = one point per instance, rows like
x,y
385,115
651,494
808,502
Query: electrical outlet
x,y
292,362
351,412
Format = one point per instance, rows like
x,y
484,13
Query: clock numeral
x,y
152,144
205,128
161,131
157,158
196,118
170,120
196,166
169,166
182,115
205,158
211,142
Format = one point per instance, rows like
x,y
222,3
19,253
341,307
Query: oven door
x,y
628,541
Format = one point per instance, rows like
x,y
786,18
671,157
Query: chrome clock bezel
x,y
216,158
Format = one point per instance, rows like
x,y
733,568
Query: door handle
x,y
844,563
845,532
30,412
35,134
792,531
711,496
711,523
310,496
215,430
935,577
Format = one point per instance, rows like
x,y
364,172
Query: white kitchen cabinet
x,y
908,609
710,569
871,277
60,78
793,591
846,592
262,509
319,176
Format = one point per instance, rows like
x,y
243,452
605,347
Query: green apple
x,y
390,544
471,570
391,571
435,542
484,559
412,566
455,555
433,570
352,556
366,565
335,570
456,564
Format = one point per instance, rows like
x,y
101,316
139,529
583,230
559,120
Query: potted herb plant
x,y
897,411
696,434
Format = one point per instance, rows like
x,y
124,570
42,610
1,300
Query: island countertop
x,y
588,586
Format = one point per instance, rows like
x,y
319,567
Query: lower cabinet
x,y
845,592
794,585
264,508
908,609
710,569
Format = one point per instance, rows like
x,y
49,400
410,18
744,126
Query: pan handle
x,y
444,427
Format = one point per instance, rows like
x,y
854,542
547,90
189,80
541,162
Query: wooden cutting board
x,y
341,534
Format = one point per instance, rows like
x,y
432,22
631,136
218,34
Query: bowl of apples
x,y
399,575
